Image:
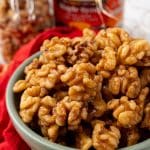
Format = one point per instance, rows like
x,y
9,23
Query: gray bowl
x,y
34,140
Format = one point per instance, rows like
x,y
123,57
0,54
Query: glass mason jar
x,y
89,13
20,21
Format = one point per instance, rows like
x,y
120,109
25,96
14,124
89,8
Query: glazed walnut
x,y
130,53
107,63
128,112
29,105
125,80
20,86
83,141
82,81
111,37
70,112
47,118
146,121
103,138
46,76
81,52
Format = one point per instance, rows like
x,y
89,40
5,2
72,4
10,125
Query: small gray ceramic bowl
x,y
35,141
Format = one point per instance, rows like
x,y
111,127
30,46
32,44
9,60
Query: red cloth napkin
x,y
9,139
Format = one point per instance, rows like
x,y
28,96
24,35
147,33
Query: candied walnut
x,y
47,44
56,51
46,76
55,48
70,112
133,52
20,86
146,121
112,37
128,112
50,132
33,65
81,52
44,59
47,118
145,77
82,81
107,62
45,112
83,49
132,136
50,80
88,34
83,141
36,91
28,106
103,138
125,80
32,79
53,132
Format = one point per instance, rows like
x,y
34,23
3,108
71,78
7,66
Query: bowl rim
x,y
14,116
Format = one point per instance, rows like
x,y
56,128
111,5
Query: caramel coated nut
x,y
28,106
128,112
125,81
132,52
111,37
105,138
86,91
20,86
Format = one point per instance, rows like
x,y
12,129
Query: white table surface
x,y
136,19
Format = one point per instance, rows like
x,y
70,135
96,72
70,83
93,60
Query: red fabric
x,y
9,139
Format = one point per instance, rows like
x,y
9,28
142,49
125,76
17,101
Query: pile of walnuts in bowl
x,y
90,91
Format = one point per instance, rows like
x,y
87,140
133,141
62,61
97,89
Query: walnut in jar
x,y
21,21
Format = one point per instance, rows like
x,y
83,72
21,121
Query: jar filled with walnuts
x,y
20,21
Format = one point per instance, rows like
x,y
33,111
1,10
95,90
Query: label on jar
x,y
83,13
